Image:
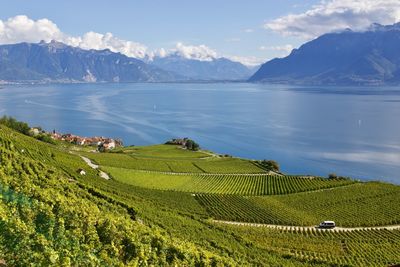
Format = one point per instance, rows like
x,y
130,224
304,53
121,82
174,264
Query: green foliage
x,y
163,163
45,138
162,152
52,216
361,204
332,176
192,145
47,217
242,184
336,248
270,165
18,126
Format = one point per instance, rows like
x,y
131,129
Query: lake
x,y
308,130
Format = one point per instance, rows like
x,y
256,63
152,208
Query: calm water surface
x,y
349,131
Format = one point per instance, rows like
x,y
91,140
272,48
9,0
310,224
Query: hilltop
x,y
164,205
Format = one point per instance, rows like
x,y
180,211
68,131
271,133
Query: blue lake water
x,y
308,130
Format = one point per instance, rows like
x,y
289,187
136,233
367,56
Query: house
x,y
35,131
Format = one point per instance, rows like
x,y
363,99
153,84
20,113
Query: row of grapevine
x,y
356,248
240,184
127,161
371,210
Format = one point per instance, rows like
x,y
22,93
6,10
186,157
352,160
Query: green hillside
x,y
160,205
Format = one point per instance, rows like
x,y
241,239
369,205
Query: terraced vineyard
x,y
54,216
162,152
361,204
190,164
240,184
340,248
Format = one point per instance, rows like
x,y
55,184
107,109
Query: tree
x,y
332,176
12,123
270,165
192,145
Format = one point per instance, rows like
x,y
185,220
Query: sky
x,y
251,32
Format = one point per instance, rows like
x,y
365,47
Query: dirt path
x,y
95,166
303,228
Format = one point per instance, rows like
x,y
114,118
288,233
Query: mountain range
x,y
371,57
214,69
57,62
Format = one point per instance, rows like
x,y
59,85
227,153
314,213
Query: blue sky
x,y
255,30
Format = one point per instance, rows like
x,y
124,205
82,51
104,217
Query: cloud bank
x,y
200,52
336,15
23,29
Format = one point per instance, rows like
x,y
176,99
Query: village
x,y
100,142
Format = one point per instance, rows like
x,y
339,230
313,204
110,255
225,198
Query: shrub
x,y
12,123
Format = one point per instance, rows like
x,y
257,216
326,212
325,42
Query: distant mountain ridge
x,y
58,62
214,69
371,57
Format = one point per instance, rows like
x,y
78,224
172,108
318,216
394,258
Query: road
x,y
95,166
303,228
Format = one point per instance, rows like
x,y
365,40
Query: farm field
x,y
164,218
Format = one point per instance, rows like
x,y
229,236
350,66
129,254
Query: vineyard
x,y
162,152
361,204
339,248
241,184
54,216
138,161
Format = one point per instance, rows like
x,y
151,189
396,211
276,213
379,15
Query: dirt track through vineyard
x,y
303,228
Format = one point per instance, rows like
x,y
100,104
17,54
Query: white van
x,y
327,224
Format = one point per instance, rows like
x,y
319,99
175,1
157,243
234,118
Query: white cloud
x,y
280,48
199,52
23,29
98,41
335,15
248,61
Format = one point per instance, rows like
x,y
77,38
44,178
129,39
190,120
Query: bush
x,y
12,123
45,138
